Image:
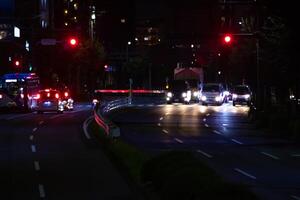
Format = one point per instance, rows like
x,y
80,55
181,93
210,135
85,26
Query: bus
x,y
19,91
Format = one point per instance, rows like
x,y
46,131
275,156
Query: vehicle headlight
x,y
183,94
226,93
203,98
218,98
247,96
234,96
196,94
169,94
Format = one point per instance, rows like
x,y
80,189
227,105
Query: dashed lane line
x,y
206,125
165,131
33,148
270,155
178,140
42,191
217,132
31,137
245,173
37,166
204,153
33,130
41,122
295,197
236,141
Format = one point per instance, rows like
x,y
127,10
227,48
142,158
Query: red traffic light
x,y
73,41
17,63
227,39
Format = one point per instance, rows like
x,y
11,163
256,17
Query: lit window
x,y
66,23
66,11
123,21
75,6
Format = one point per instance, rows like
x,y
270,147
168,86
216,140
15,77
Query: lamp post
x,y
127,49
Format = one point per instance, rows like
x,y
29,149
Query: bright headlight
x,y
218,98
234,96
183,94
247,96
203,98
169,94
195,94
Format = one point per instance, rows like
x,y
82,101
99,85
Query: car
x,y
49,100
179,92
212,93
241,94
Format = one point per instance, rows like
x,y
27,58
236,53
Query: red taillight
x,y
22,96
57,95
1,96
48,94
66,94
38,96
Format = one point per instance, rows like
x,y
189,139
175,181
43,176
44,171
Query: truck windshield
x,y
211,88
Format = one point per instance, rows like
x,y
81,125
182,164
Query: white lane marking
x,y
295,197
217,132
167,113
204,119
204,153
41,122
295,155
33,148
178,140
161,118
37,166
85,127
158,124
236,141
270,155
207,114
31,137
42,191
33,130
245,173
224,124
206,125
165,131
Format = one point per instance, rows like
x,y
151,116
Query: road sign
x,y
48,41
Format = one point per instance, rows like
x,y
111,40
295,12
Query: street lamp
x,y
127,46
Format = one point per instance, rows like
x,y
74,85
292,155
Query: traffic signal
x,y
17,63
73,42
227,38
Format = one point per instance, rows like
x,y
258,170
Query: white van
x,y
212,93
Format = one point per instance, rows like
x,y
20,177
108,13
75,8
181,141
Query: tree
x,y
88,61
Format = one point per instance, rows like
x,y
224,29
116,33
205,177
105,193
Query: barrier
x,y
111,130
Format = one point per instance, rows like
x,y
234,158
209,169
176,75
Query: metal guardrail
x,y
111,130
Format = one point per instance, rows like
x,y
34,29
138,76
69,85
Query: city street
x,y
47,156
222,137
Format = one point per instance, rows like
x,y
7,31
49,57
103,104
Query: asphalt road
x,y
47,156
222,137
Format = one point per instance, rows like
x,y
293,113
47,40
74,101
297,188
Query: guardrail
x,y
110,129
113,99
